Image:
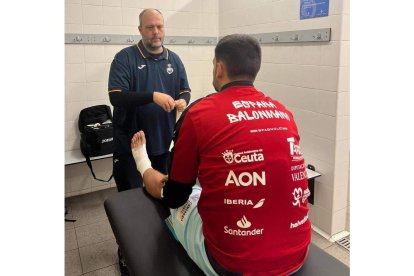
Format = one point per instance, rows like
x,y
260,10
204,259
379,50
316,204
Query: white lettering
x,y
107,140
238,232
299,222
251,179
257,115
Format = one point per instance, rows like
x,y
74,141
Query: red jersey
x,y
244,149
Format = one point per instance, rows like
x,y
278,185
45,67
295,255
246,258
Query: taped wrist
x,y
141,159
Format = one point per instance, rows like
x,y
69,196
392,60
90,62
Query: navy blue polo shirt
x,y
134,69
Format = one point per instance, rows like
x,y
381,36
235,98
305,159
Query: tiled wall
x,y
87,66
312,80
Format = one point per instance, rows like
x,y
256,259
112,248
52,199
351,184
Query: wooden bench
x,y
149,248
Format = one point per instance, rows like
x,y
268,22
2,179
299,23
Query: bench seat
x,y
149,248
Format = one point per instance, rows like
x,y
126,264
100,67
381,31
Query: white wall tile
x,y
340,197
341,174
336,7
72,130
323,196
342,151
74,73
320,148
326,102
73,28
343,104
130,16
73,14
342,128
343,81
72,1
92,2
94,53
112,3
324,220
75,92
96,72
163,5
74,53
346,6
338,221
193,6
112,16
210,6
96,90
345,27
344,56
92,15
138,4
111,50
330,53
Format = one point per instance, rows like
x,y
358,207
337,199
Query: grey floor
x,y
90,246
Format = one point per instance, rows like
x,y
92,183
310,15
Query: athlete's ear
x,y
220,70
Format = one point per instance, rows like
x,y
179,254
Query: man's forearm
x,y
130,98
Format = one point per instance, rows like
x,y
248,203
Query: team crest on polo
x,y
169,69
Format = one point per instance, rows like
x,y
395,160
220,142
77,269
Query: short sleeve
x,y
119,73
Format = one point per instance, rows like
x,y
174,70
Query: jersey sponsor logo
x,y
299,222
246,179
250,104
294,149
244,202
257,115
107,140
244,224
141,66
300,175
300,196
170,70
243,157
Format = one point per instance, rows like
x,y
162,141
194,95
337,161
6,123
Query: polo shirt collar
x,y
145,55
234,83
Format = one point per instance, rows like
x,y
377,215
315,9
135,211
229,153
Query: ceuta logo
x,y
228,156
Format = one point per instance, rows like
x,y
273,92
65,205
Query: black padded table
x,y
149,248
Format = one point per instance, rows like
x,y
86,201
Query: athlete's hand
x,y
165,101
154,181
180,105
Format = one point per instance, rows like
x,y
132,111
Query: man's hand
x,y
154,181
165,101
180,105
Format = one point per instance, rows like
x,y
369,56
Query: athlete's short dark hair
x,y
241,54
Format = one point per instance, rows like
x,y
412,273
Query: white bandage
x,y
141,159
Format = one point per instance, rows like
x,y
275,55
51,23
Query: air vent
x,y
344,242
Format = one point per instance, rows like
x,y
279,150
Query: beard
x,y
152,46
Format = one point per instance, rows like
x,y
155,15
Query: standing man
x,y
250,215
147,83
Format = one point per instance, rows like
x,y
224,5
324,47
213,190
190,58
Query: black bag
x,y
95,126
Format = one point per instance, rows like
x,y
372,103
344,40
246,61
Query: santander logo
x,y
244,223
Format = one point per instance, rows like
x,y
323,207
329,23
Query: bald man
x,y
147,85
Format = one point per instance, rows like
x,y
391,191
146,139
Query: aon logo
x,y
246,179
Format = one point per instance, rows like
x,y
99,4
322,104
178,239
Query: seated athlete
x,y
248,214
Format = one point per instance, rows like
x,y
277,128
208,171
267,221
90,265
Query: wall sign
x,y
313,8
